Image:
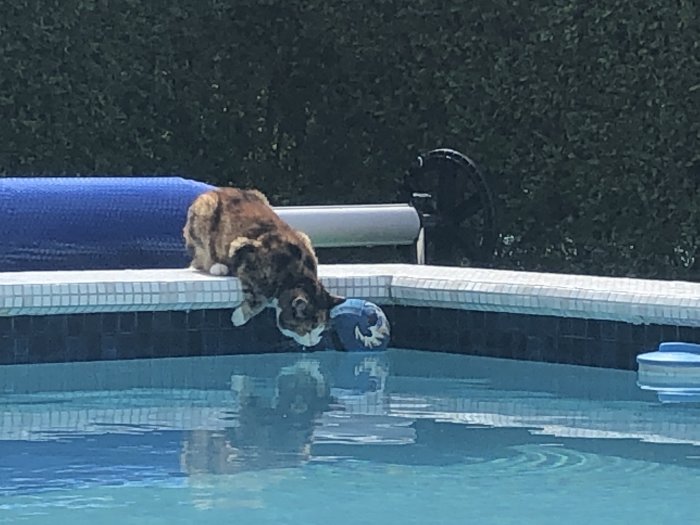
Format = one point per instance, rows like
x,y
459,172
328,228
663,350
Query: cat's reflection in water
x,y
274,427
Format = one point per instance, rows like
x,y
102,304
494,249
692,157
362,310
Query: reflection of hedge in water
x,y
586,114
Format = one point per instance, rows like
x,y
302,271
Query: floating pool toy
x,y
673,371
360,326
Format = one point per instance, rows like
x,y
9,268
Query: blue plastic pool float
x,y
673,371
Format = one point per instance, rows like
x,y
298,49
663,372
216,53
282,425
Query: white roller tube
x,y
355,225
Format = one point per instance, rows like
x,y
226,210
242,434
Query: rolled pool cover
x,y
136,222
94,223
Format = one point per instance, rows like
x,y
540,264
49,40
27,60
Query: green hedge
x,y
585,114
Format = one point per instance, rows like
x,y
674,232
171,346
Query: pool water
x,y
400,437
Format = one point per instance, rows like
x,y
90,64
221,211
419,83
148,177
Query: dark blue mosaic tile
x,y
453,318
162,321
22,325
178,320
475,320
162,344
608,354
626,332
464,340
127,322
144,322
38,324
22,354
56,324
178,345
510,322
109,323
92,350
78,347
653,333
108,347
75,324
7,350
608,330
518,344
544,326
128,346
478,343
687,333
232,342
497,339
212,319
109,353
144,344
195,344
83,337
593,329
210,342
195,319
627,355
669,333
566,348
48,348
638,336
92,323
534,348
572,327
544,338
38,346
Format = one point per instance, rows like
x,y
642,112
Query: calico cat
x,y
231,231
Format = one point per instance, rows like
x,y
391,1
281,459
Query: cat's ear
x,y
299,305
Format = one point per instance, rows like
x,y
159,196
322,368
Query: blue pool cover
x,y
94,223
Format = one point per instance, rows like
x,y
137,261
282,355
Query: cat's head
x,y
303,311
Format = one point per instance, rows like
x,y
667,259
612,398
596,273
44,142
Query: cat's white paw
x,y
239,316
218,269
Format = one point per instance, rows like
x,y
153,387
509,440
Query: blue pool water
x,y
405,437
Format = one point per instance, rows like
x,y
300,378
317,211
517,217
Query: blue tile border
x,y
132,335
589,342
138,335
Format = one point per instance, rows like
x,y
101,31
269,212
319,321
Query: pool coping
x,y
629,300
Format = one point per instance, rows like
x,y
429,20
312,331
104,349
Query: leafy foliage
x,y
586,114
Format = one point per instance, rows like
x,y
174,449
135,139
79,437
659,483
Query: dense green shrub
x,y
586,114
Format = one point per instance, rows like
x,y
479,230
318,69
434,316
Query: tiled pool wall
x,y
92,316
578,341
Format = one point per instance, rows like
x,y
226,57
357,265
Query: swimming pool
x,y
399,437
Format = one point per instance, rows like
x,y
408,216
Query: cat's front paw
x,y
240,315
218,269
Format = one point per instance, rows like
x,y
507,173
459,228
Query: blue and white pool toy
x,y
673,372
360,326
